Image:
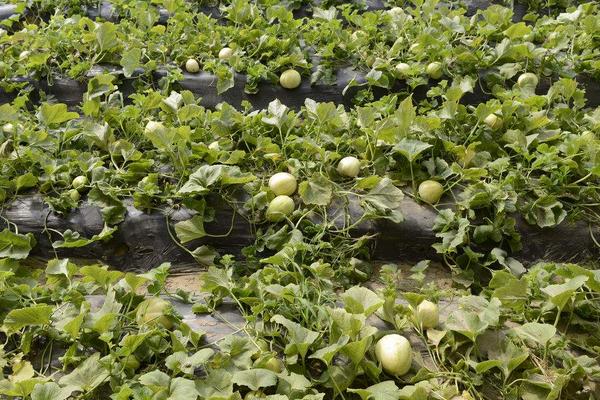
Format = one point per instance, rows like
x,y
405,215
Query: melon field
x,y
299,199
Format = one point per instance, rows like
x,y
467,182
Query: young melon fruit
x,y
290,79
403,69
225,53
434,70
349,166
493,121
283,183
279,208
430,191
427,314
79,182
394,352
192,66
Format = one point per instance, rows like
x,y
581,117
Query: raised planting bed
x,y
107,11
204,85
144,240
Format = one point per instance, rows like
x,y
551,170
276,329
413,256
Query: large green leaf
x,y
50,391
255,379
327,353
14,245
475,316
204,177
182,389
112,208
300,338
131,60
55,114
561,293
28,316
87,376
411,148
385,195
386,390
384,200
73,239
534,331
360,300
191,229
106,36
181,362
317,190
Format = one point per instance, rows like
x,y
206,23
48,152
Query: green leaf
x,y
486,365
25,181
420,391
55,114
534,331
72,326
131,342
131,60
570,17
29,316
191,229
161,136
106,36
510,356
411,148
560,294
546,212
14,245
404,117
278,114
517,31
182,389
105,319
254,379
8,113
510,263
474,317
174,101
225,78
512,292
100,274
61,267
204,177
345,323
327,353
112,208
356,351
360,300
181,362
385,200
293,382
204,255
50,391
87,376
100,85
317,190
156,380
466,323
386,390
158,277
217,385
216,279
73,240
300,338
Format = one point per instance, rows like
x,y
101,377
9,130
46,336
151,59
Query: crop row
x,y
328,51
531,156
